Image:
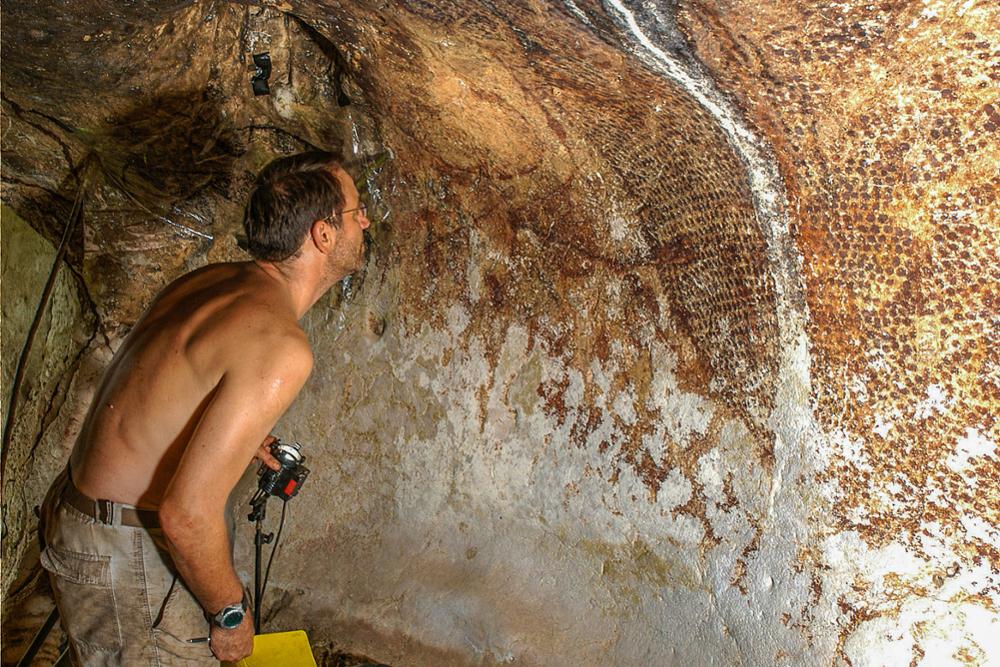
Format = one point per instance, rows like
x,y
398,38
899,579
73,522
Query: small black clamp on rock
x,y
262,72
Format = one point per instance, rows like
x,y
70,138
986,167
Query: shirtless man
x,y
186,403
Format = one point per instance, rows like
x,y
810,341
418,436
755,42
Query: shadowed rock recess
x,y
676,344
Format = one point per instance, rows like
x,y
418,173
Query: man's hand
x,y
264,454
235,644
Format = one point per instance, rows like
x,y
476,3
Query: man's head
x,y
291,193
348,225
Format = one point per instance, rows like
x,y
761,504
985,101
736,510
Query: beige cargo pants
x,y
120,601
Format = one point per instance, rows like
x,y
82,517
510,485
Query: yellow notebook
x,y
279,649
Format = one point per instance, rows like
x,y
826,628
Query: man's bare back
x,y
168,370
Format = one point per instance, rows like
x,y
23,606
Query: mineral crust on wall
x,y
676,343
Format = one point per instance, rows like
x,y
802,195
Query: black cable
x,y
270,559
40,637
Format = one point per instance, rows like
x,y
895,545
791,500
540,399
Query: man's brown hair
x,y
290,194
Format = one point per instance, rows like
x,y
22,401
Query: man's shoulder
x,y
287,342
230,322
274,347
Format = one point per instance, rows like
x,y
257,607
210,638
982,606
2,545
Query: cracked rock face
x,y
673,346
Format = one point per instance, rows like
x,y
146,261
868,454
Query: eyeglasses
x,y
330,218
363,208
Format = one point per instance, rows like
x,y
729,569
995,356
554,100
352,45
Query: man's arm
x,y
247,402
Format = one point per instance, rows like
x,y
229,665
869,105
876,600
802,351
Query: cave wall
x,y
674,343
64,332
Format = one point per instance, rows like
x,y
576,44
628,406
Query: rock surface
x,y
677,340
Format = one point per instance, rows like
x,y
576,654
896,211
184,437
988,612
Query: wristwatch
x,y
230,617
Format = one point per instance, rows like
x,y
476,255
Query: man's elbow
x,y
178,521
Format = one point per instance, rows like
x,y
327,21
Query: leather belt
x,y
103,510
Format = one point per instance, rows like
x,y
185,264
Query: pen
x,y
197,640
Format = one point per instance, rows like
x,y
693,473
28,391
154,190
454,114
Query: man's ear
x,y
323,235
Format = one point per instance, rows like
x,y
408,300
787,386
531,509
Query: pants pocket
x,y
94,656
172,651
86,598
180,615
179,620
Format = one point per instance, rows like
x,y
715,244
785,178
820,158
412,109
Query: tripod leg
x,y
258,549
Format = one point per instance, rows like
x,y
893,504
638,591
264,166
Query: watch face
x,y
231,618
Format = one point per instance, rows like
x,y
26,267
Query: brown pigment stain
x,y
548,249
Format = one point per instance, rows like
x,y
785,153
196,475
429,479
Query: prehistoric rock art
x,y
676,344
